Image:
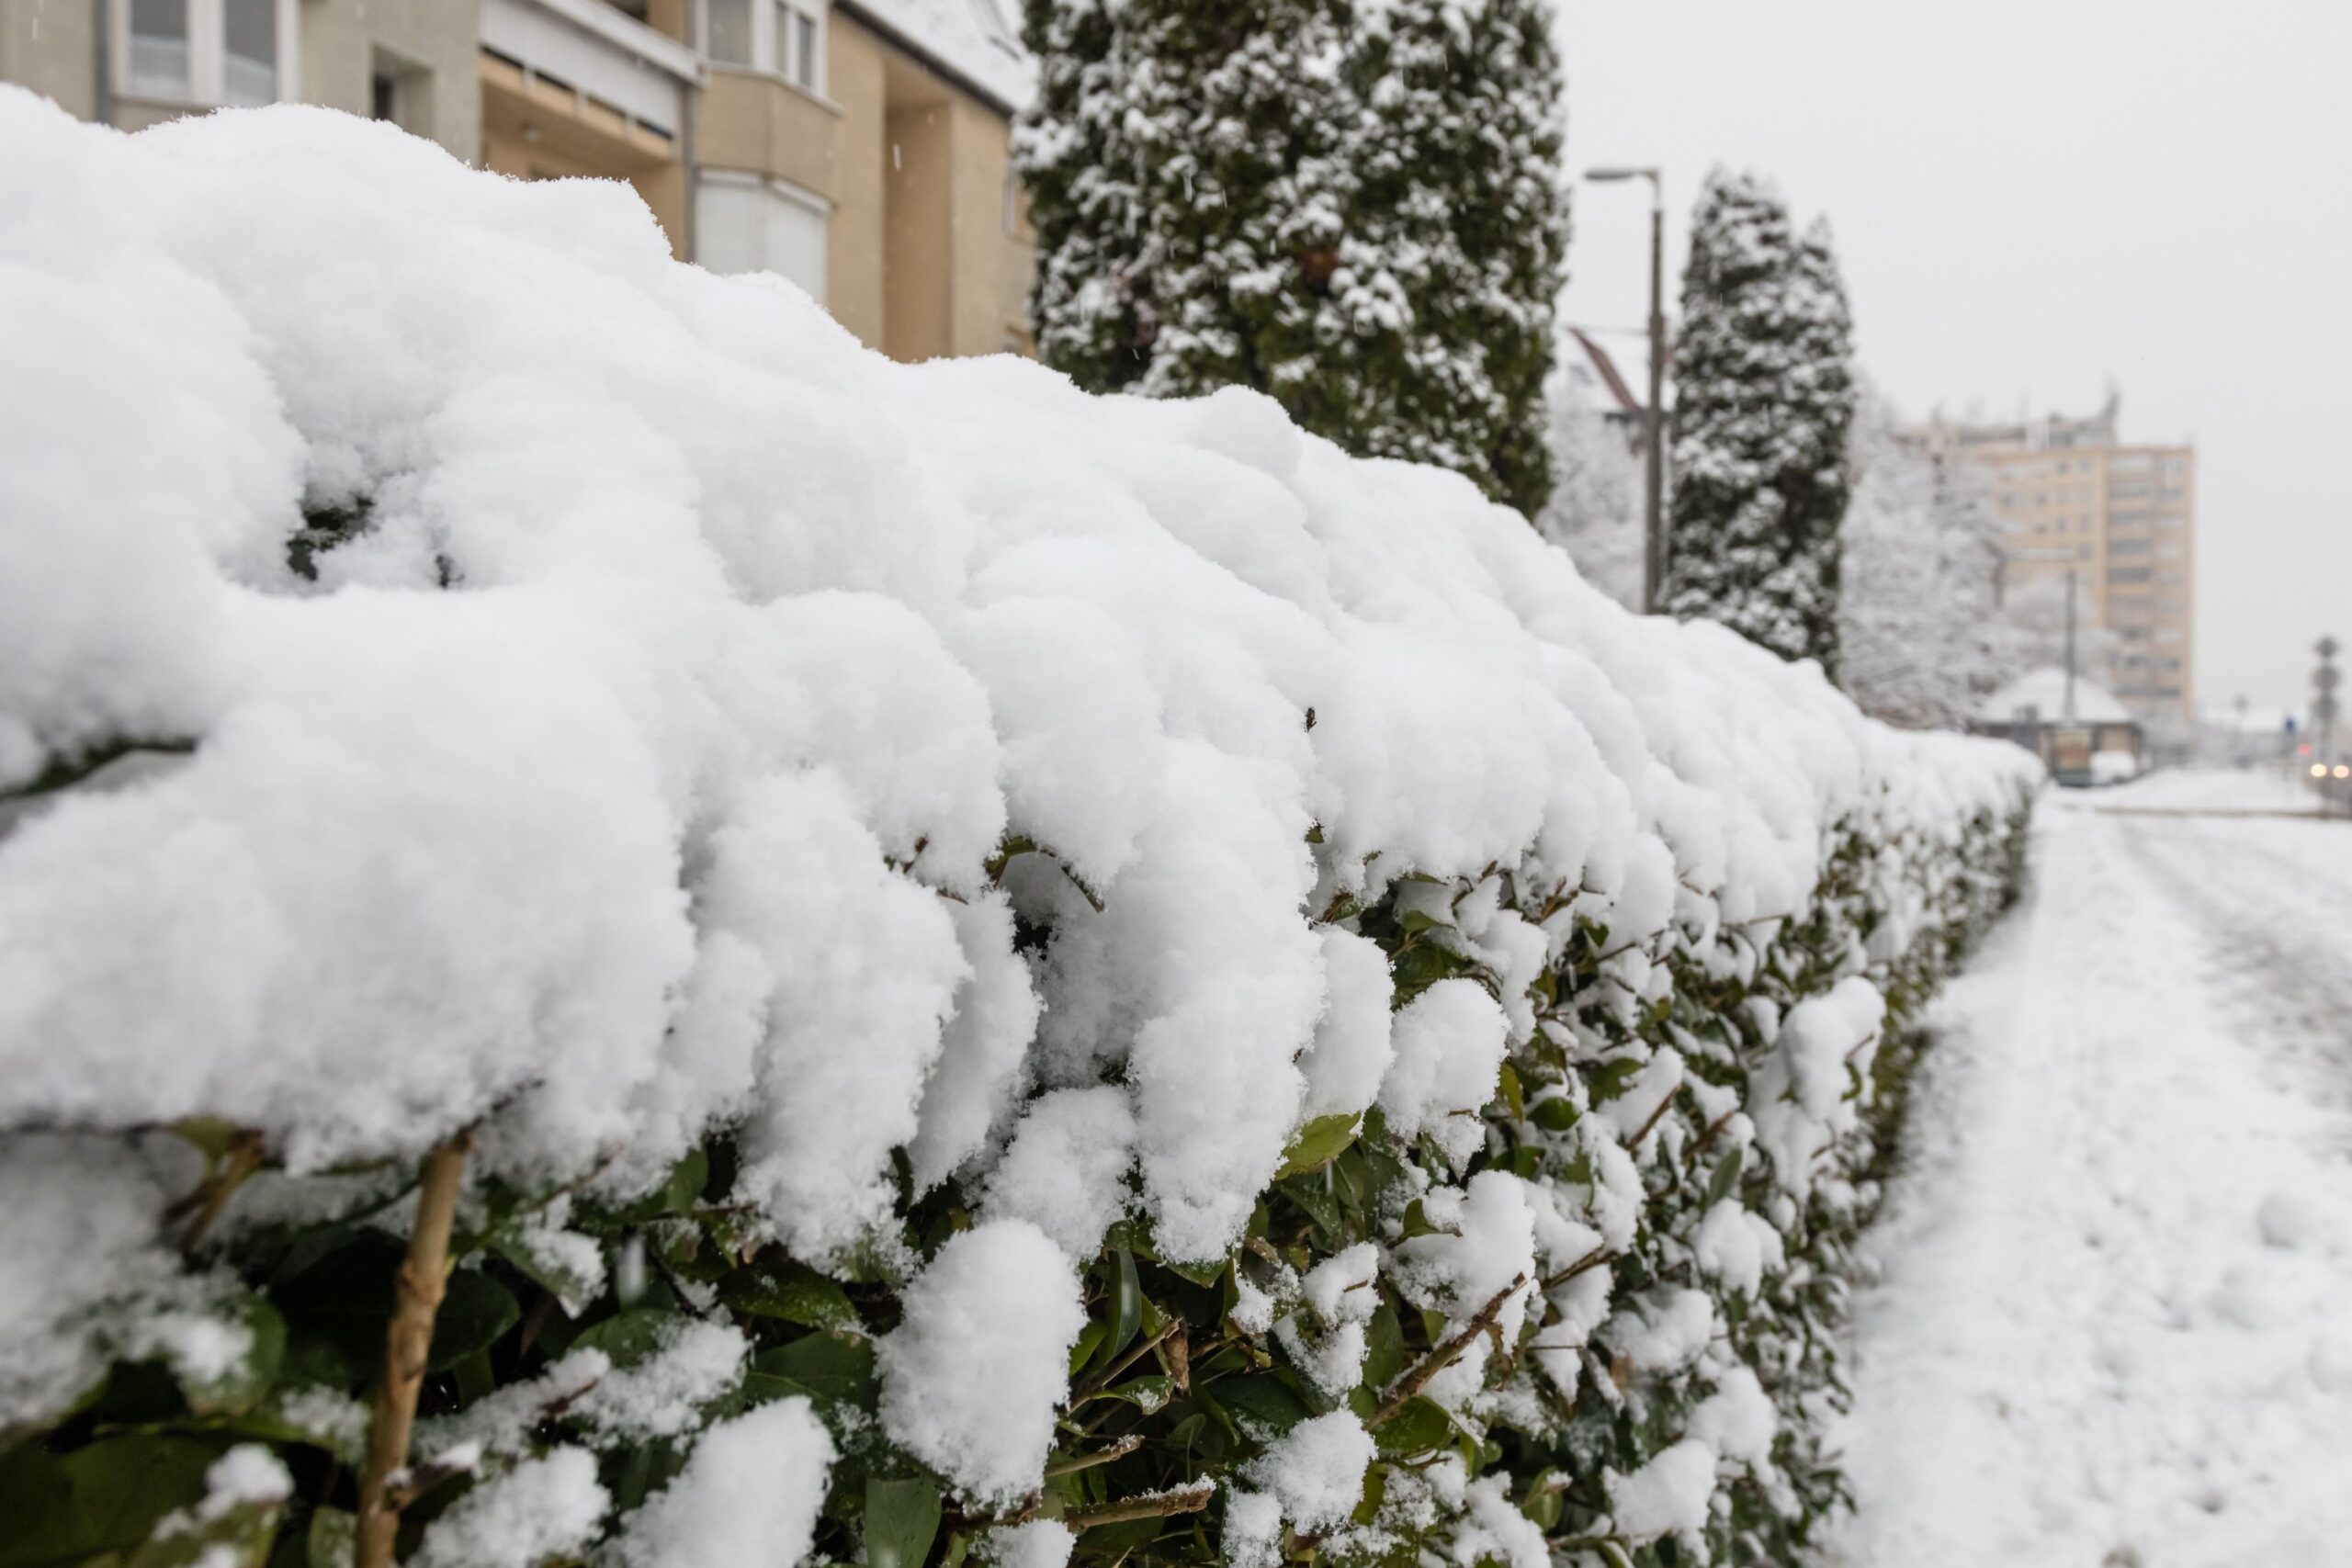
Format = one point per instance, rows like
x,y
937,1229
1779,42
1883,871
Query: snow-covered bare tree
x,y
2032,630
1355,207
1595,511
1920,641
1764,399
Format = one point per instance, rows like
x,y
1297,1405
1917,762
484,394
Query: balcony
x,y
578,89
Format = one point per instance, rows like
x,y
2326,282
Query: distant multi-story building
x,y
2120,519
860,148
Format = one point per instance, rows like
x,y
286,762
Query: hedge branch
x,y
221,1179
1077,1462
408,1343
1095,1389
1188,1499
1656,1116
1444,1355
1594,1260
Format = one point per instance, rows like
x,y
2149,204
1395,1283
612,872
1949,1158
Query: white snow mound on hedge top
x,y
636,769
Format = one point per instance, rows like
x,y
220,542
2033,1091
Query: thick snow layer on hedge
x,y
972,1376
749,1494
684,711
542,1508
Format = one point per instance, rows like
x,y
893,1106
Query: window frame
x,y
207,56
775,188
751,9
779,48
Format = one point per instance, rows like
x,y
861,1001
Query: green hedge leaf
x,y
779,1288
828,1368
1317,1142
1420,1425
901,1520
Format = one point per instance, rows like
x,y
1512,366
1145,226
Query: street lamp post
x,y
1654,424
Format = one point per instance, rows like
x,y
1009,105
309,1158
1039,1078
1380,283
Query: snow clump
x,y
750,1493
972,1377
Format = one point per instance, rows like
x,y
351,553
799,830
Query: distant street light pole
x,y
1654,492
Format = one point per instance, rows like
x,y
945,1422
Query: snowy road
x,y
2114,1324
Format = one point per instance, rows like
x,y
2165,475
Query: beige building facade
x,y
135,63
841,148
2121,520
860,148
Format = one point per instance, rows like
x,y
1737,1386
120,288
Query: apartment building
x,y
134,62
2075,500
860,148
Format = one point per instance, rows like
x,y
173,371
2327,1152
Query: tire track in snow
x,y
2275,930
2087,1350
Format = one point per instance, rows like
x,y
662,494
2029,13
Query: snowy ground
x,y
2222,791
2114,1324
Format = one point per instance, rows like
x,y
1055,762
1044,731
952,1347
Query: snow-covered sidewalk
x,y
2114,1324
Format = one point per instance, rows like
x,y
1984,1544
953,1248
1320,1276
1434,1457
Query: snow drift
x,y
460,668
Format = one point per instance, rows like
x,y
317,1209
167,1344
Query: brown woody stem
x,y
1077,1462
1094,1389
408,1344
220,1185
1151,1506
1443,1356
1594,1260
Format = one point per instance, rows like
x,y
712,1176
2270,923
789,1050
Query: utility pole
x,y
2068,715
1653,494
1654,422
2324,769
2324,680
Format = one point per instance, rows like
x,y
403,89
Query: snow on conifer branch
x,y
1764,406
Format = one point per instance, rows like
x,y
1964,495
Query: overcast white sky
x,y
2031,197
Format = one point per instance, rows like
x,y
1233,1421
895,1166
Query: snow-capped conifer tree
x,y
1355,208
1764,405
1456,233
1180,162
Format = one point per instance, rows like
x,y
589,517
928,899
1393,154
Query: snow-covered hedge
x,y
990,971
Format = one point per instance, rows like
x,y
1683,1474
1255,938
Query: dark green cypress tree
x,y
1354,208
1178,156
1764,407
1455,244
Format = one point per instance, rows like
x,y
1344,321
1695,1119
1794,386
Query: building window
x,y
786,37
807,61
235,52
249,53
400,91
746,225
727,31
159,52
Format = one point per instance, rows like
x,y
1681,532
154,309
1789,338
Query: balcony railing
x,y
590,49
